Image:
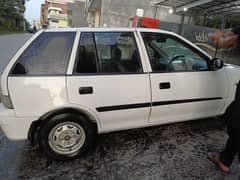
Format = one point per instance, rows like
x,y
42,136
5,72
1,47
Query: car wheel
x,y
66,136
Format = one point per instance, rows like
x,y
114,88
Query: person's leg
x,y
228,154
237,132
226,157
235,126
214,157
238,148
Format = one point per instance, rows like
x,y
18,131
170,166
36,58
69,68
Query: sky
x,y
33,8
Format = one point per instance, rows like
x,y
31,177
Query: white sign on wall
x,y
140,12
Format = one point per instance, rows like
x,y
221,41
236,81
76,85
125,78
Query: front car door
x,y
183,85
108,78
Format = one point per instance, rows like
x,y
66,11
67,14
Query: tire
x,y
66,136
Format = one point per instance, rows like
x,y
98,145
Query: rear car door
x,y
37,80
183,85
108,78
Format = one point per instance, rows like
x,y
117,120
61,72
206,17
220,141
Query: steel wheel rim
x,y
67,138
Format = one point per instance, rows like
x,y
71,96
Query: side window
x,y
114,52
168,54
117,53
86,56
48,54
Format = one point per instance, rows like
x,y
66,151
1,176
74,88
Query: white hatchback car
x,y
66,85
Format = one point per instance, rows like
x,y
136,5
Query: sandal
x,y
214,157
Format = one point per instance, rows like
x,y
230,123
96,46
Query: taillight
x,y
5,99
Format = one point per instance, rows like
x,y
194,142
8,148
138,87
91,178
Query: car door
x,y
183,85
109,79
37,79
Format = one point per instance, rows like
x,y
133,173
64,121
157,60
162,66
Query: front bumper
x,y
15,128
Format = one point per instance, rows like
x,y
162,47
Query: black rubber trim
x,y
160,103
107,74
32,132
123,107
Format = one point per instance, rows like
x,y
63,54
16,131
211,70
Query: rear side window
x,y
112,52
48,54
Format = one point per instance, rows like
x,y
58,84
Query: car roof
x,y
124,29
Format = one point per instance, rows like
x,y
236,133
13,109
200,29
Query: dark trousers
x,y
233,128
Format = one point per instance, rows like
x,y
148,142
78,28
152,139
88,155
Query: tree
x,y
208,21
215,21
11,14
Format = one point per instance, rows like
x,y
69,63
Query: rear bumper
x,y
15,128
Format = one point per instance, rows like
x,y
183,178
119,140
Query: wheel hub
x,y
67,138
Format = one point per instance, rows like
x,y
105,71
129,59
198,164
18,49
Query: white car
x,y
64,86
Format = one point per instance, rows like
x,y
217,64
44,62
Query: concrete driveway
x,y
176,151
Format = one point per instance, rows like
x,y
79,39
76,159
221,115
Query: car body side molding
x,y
160,103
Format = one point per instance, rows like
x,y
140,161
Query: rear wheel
x,y
66,136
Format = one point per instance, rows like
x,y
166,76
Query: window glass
x,y
167,54
47,55
86,57
117,52
102,52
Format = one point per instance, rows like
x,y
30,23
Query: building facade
x,y
76,13
115,13
44,15
103,13
54,14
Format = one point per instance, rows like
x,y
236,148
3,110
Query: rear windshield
x,y
48,54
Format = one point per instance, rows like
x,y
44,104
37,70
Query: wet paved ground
x,y
176,151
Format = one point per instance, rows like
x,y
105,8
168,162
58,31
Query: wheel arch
x,y
35,125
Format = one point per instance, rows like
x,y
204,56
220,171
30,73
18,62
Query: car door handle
x,y
165,85
85,90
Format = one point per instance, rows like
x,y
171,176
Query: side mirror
x,y
216,64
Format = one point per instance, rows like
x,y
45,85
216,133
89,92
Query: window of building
x,y
48,54
69,11
55,20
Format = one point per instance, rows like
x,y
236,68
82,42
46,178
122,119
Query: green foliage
x,y
233,22
11,15
208,21
216,21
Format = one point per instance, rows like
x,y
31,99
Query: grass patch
x,y
10,32
4,31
